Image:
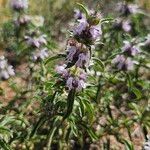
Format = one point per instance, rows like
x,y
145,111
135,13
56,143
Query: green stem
x,y
109,112
70,103
98,93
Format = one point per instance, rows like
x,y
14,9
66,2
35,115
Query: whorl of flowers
x,y
40,54
36,41
38,44
86,32
19,5
73,77
6,71
87,29
124,61
130,49
121,24
126,9
22,20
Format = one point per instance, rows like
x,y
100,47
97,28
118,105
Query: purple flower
x,y
19,4
126,26
80,27
95,32
83,60
62,70
4,74
123,63
130,49
81,85
36,41
3,62
40,54
6,71
10,70
133,8
75,83
32,42
23,20
78,14
73,77
71,83
71,52
42,39
88,30
127,9
129,65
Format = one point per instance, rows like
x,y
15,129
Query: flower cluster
x,y
40,54
123,22
6,71
130,49
35,41
19,5
74,78
124,61
77,54
85,33
87,30
22,20
126,9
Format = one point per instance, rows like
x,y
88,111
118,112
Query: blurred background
x,y
57,13
56,7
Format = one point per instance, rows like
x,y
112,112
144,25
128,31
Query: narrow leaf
x,y
54,58
82,7
99,62
70,103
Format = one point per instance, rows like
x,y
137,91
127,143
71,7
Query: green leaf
x,y
128,145
90,132
54,58
4,145
89,109
100,63
130,84
40,122
106,20
137,92
84,9
82,107
4,130
135,108
70,103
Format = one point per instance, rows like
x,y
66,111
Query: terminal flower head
x,y
130,49
123,63
19,5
